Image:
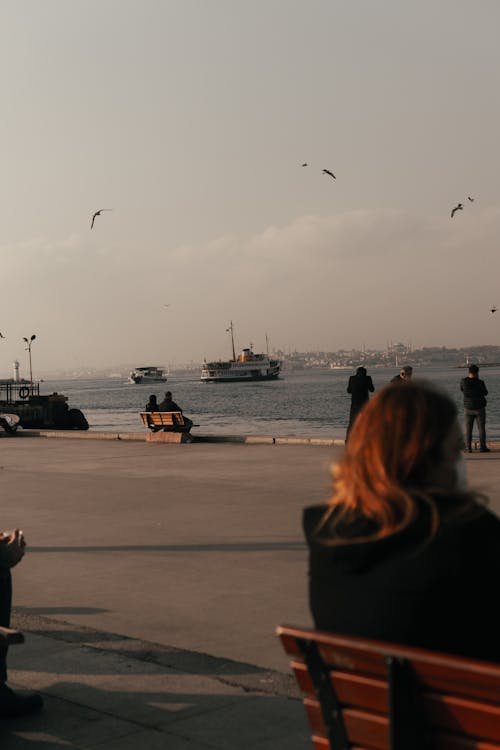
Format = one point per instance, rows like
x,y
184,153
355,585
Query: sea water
x,y
310,403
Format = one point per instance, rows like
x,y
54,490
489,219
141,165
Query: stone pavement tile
x,y
33,646
68,658
252,721
151,739
63,725
136,691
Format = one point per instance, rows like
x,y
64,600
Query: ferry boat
x,y
247,367
144,375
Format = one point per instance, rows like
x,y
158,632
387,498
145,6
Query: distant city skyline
x,y
482,353
191,121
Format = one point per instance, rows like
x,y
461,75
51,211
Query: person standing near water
x,y
475,393
360,386
404,376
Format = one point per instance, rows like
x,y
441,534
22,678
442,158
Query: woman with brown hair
x,y
403,551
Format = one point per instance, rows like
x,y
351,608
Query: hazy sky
x,y
190,119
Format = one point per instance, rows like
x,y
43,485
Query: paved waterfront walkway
x,y
154,580
106,691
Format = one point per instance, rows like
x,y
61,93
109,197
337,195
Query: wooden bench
x,y
9,637
370,695
166,427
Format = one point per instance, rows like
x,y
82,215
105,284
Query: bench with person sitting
x,y
360,693
404,564
166,417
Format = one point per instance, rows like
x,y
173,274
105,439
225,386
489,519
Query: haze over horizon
x,y
191,121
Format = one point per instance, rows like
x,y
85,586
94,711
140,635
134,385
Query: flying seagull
x,y
327,171
470,199
98,213
493,309
2,336
458,207
305,164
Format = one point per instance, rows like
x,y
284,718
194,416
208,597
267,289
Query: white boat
x,y
143,375
247,367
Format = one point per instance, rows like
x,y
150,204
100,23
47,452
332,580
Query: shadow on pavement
x,y
291,546
79,715
61,610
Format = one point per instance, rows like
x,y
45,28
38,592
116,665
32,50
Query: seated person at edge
x,y
168,405
12,548
152,404
403,551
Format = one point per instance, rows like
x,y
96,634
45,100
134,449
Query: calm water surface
x,y
301,403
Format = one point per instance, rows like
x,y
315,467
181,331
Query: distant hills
x,y
395,356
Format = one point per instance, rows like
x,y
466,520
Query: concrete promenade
x,y
154,580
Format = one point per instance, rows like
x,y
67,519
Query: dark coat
x,y
168,406
438,593
360,386
474,391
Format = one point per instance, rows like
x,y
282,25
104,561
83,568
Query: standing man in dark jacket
x,y
360,386
474,391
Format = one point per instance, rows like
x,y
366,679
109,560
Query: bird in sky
x,y
167,305
98,213
305,164
493,309
458,207
327,171
470,199
2,336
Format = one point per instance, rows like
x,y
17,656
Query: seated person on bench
x,y
12,548
168,405
152,404
404,551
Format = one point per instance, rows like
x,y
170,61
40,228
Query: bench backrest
x,y
162,418
370,695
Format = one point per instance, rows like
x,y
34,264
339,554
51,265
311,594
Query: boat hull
x,y
145,381
239,378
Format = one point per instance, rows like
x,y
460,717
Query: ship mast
x,y
231,330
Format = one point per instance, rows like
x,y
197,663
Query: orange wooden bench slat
x,y
442,711
458,698
435,671
163,419
443,716
363,728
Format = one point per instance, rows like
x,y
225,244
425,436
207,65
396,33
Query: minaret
x,y
17,379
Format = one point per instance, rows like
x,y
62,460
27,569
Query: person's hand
x,y
15,546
